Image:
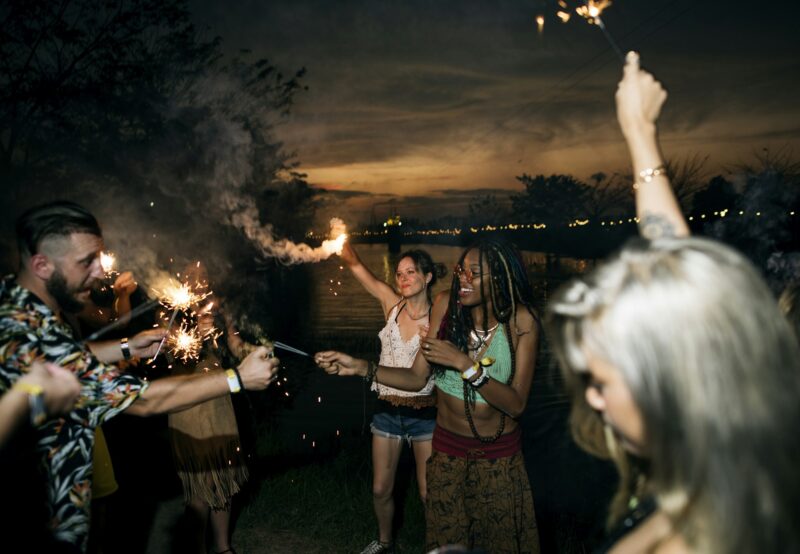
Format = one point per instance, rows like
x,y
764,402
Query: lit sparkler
x,y
178,297
540,23
338,236
186,343
107,261
591,11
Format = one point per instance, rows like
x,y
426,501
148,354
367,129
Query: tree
x,y
608,195
687,176
554,200
121,106
485,210
718,196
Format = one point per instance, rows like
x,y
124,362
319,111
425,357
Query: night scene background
x,y
218,131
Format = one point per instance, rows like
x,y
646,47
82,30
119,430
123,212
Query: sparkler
x,y
107,261
540,23
124,320
591,11
186,343
178,297
338,236
288,348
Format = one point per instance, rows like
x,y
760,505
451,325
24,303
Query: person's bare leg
x,y
385,457
220,529
422,451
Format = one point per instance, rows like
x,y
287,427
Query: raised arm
x,y
377,288
639,100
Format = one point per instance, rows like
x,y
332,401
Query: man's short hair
x,y
60,218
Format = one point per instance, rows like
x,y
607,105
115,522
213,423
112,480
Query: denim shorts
x,y
404,424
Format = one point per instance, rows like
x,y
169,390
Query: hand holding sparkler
x,y
639,99
146,343
258,370
339,363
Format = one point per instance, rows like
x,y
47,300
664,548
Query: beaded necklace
x,y
469,392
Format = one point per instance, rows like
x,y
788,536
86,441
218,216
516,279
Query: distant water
x,y
340,304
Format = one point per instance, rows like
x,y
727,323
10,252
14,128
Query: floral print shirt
x,y
30,331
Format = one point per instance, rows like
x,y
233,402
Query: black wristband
x,y
126,349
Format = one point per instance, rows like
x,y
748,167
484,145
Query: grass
x,y
325,500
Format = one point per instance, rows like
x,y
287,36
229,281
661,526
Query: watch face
x,y
38,412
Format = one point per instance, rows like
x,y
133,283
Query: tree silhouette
x,y
608,195
687,176
122,106
485,209
553,200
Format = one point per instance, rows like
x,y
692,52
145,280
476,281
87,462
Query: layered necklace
x,y
478,338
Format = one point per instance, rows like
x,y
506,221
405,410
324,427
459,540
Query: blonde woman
x,y
684,372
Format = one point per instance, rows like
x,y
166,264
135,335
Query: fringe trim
x,y
213,473
423,401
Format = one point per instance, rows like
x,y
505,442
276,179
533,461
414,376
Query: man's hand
x,y
145,344
258,370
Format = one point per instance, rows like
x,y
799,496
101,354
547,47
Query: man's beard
x,y
64,297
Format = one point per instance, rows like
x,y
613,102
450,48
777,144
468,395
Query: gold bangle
x,y
648,174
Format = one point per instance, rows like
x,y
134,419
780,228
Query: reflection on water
x,y
340,304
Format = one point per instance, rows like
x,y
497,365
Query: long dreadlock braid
x,y
508,288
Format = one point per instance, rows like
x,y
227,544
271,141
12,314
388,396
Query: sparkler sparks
x,y
180,296
591,11
186,343
107,261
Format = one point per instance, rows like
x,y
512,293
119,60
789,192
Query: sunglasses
x,y
466,272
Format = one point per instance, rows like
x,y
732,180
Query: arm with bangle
x,y
639,99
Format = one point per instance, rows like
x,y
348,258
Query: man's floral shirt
x,y
30,331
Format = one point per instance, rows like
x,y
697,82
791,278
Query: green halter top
x,y
452,383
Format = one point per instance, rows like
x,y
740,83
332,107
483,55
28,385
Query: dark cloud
x,y
405,95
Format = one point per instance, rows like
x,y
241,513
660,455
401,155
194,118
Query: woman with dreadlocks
x,y
482,349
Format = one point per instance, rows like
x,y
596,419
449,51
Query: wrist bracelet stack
x,y
372,371
479,366
126,348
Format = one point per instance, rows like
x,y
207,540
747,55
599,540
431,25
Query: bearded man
x,y
60,245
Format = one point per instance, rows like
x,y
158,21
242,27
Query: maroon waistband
x,y
469,447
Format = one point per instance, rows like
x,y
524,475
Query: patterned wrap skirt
x,y
479,496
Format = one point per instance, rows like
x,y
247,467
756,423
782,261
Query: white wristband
x,y
233,381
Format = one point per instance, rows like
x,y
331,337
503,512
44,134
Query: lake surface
x,y
340,304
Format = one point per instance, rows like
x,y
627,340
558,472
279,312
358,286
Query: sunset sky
x,y
422,104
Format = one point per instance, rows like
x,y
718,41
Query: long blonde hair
x,y
713,368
